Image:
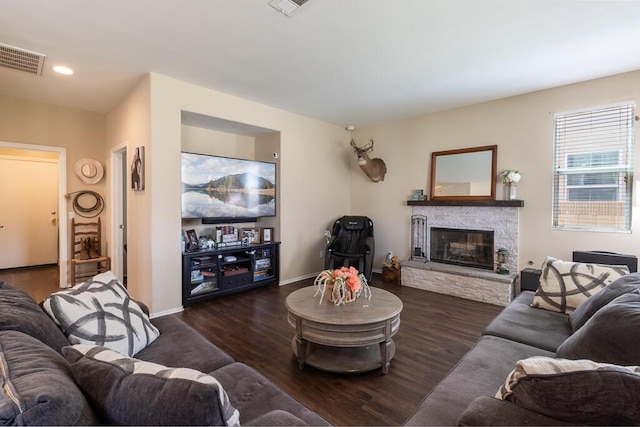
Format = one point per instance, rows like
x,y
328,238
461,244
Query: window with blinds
x,y
593,168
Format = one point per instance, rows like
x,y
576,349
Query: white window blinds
x,y
593,168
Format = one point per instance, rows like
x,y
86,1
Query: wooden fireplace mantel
x,y
478,203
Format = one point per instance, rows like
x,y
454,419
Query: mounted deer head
x,y
374,168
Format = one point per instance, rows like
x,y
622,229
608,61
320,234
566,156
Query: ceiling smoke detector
x,y
287,7
21,59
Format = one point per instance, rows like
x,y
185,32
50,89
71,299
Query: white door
x,y
28,217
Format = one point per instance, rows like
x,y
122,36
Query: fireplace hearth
x,y
470,248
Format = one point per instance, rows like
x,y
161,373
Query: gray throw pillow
x,y
586,310
19,312
575,391
100,311
128,391
610,336
36,386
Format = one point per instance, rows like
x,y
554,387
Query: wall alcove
x,y
216,136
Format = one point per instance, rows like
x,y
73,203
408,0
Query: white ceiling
x,y
348,62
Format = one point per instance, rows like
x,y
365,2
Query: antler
x,y
365,149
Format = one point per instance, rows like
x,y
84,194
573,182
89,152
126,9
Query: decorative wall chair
x,y
87,258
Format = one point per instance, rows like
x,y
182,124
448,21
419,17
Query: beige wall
x,y
522,127
319,179
266,146
313,173
129,124
17,152
81,133
210,141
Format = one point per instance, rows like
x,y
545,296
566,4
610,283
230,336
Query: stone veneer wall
x,y
463,282
466,282
504,221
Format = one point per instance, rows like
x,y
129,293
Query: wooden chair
x,y
82,233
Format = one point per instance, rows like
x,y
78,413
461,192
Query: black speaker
x,y
608,258
529,279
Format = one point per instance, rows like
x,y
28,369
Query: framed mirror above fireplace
x,y
464,174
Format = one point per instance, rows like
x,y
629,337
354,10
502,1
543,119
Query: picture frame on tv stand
x,y
192,240
266,234
251,234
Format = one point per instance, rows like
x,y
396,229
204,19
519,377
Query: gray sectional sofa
x,y
37,386
606,331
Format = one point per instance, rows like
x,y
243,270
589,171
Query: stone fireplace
x,y
463,262
470,248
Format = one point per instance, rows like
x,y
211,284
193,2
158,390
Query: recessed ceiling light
x,y
62,70
287,7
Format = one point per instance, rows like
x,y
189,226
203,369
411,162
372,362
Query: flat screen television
x,y
220,189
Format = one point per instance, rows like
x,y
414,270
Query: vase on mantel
x,y
513,187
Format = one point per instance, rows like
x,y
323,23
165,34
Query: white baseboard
x,y
167,312
297,279
309,276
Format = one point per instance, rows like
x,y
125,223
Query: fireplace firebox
x,y
470,248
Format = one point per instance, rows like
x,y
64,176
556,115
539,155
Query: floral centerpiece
x,y
341,286
511,176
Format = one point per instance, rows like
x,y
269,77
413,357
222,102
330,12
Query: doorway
x,y
119,211
28,221
55,166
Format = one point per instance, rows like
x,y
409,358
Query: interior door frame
x,y
118,161
63,220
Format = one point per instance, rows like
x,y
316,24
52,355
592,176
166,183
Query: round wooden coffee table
x,y
350,338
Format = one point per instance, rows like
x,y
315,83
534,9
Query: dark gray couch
x,y
37,387
466,395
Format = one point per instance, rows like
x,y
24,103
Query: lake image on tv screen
x,y
221,187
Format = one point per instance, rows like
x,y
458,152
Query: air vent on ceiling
x,y
287,6
21,59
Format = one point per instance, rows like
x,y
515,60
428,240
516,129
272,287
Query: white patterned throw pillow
x,y
565,285
100,311
128,391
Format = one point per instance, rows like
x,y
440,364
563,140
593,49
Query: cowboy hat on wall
x,y
89,171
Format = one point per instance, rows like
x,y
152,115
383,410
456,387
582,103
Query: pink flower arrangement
x,y
345,284
351,276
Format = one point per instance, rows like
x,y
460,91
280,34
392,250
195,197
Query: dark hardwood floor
x,y
39,282
435,332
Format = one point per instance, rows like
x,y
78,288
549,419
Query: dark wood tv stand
x,y
210,273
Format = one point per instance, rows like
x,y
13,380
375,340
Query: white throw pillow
x,y
565,285
100,311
